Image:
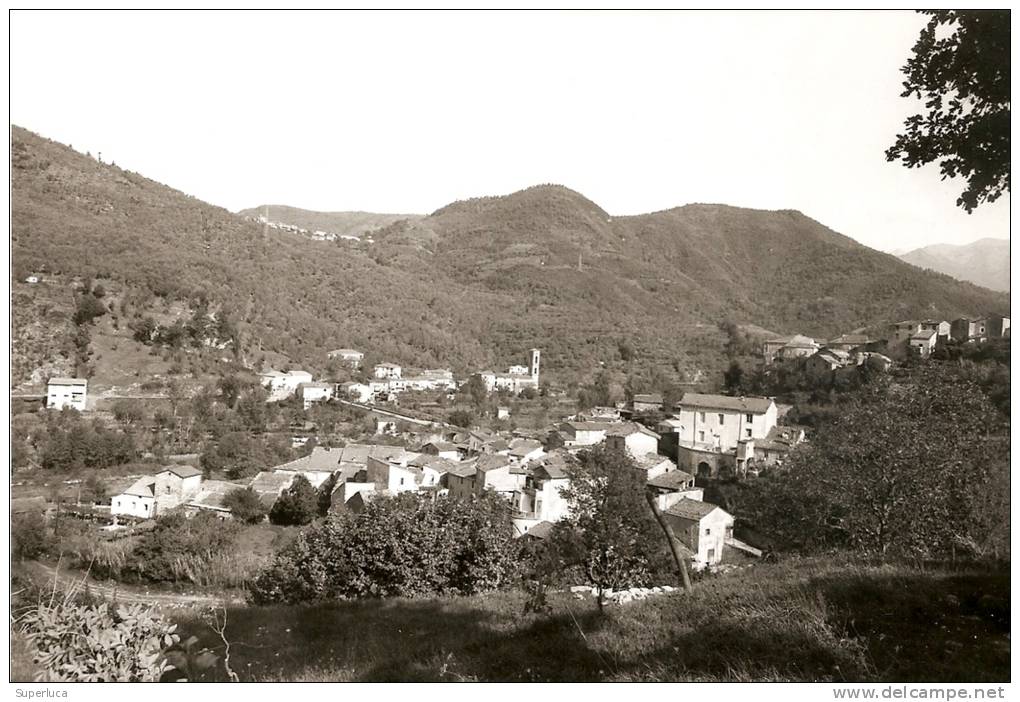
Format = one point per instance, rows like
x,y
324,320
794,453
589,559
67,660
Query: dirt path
x,y
133,594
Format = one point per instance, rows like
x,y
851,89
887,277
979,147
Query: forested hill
x,y
344,223
477,282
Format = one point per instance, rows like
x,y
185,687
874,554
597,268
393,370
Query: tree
x,y
476,390
965,84
608,531
245,505
894,472
87,308
733,377
297,506
461,418
93,489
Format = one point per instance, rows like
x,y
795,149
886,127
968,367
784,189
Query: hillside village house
x,y
461,478
312,393
358,392
151,495
351,357
540,498
138,500
787,347
283,385
389,371
848,342
714,433
701,526
669,488
923,342
647,403
636,439
498,474
654,465
980,329
997,326
67,392
827,360
525,450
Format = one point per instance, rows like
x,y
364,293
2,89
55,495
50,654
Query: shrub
x,y
178,548
29,537
96,643
409,545
245,505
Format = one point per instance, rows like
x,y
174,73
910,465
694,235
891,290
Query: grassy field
x,y
815,619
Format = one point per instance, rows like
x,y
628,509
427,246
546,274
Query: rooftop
x,y
674,480
753,405
695,510
181,471
143,487
68,381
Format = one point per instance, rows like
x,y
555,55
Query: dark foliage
x,y
245,505
964,82
409,545
298,505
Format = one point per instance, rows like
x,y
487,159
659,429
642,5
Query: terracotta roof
x,y
754,405
143,487
650,398
213,493
181,471
628,428
68,381
463,470
522,447
695,510
541,530
674,480
491,461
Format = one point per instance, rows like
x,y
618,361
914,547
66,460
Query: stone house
x,y
702,527
634,438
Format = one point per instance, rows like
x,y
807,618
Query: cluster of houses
x,y
388,381
921,336
706,436
315,235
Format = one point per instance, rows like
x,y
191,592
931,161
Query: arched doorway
x,y
704,470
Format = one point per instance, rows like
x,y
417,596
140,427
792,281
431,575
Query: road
x,y
391,413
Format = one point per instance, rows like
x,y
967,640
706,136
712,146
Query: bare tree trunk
x,y
674,546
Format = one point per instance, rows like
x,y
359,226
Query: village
x,y
680,447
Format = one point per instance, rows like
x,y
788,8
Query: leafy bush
x,y
97,643
298,505
409,545
245,505
179,548
29,536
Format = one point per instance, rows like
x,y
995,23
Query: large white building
x,y
313,393
67,392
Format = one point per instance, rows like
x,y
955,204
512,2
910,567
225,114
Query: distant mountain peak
x,y
984,262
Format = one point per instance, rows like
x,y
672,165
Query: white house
x,y
283,385
721,422
312,393
923,342
387,370
540,498
517,378
67,392
525,450
634,438
351,357
139,500
702,527
359,392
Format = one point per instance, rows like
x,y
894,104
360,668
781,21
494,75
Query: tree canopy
x,y
963,79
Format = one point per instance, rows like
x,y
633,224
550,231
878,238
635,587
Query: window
x,y
708,531
401,481
749,417
748,433
722,419
701,436
702,416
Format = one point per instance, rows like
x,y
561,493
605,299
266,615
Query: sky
x,y
404,112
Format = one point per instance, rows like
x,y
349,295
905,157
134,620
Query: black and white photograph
x,y
510,346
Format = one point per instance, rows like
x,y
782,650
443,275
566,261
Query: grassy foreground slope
x,y
818,619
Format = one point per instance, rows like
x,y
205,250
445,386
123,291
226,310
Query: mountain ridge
x,y
471,285
983,262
